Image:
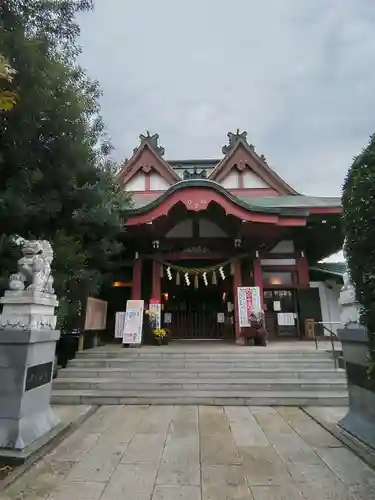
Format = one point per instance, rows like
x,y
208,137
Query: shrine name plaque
x,y
38,375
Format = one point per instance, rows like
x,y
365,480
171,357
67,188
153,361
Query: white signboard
x,y
167,318
248,302
220,317
286,319
277,305
133,322
120,324
155,309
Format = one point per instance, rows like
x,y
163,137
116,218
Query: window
x,y
277,278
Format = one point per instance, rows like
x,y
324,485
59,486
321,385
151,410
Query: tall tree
x,y
56,178
359,227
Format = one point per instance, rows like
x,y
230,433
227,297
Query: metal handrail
x,y
331,337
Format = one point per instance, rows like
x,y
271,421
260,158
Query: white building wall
x,y
157,182
231,180
251,180
329,293
136,183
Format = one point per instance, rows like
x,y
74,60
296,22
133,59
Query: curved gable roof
x,y
212,185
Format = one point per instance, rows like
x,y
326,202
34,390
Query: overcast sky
x,y
298,75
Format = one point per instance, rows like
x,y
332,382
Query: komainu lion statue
x,y
34,268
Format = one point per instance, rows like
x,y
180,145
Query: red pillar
x,y
303,271
156,280
137,280
237,281
258,279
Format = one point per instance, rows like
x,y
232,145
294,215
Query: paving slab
x,y
225,483
285,492
335,490
308,429
245,429
349,468
217,444
38,482
311,473
263,466
144,448
74,447
180,459
133,481
176,493
329,418
78,491
197,453
291,447
98,465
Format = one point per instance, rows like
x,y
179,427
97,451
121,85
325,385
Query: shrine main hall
x,y
200,229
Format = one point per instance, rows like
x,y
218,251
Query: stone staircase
x,y
229,375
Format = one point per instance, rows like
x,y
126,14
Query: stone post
x,y
27,349
360,419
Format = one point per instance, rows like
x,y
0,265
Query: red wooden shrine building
x,y
198,229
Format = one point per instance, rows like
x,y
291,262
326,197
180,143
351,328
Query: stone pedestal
x,y
360,419
27,353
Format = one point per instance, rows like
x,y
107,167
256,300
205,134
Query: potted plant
x,y
358,294
160,335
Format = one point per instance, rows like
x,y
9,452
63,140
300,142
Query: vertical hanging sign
x,y
133,322
155,309
248,303
120,324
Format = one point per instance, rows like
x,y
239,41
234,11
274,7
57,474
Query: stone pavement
x,y
197,453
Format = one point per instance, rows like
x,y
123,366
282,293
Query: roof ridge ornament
x,y
152,141
188,174
233,139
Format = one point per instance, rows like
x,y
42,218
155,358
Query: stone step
x,y
219,397
249,373
254,353
199,365
203,359
198,384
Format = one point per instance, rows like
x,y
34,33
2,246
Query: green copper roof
x,y
271,204
333,268
193,163
293,201
142,202
285,205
